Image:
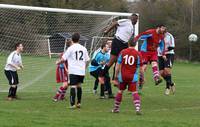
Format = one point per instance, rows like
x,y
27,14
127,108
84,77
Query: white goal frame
x,y
73,11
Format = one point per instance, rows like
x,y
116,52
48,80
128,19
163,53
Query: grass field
x,y
36,108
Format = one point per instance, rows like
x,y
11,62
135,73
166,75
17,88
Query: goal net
x,y
43,32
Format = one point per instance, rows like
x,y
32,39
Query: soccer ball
x,y
193,37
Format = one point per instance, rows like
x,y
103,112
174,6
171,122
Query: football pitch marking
x,y
23,86
177,109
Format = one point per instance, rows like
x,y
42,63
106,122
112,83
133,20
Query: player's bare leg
x,y
141,83
162,73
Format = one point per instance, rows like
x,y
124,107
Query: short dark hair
x,y
17,45
160,25
103,45
132,43
134,14
75,37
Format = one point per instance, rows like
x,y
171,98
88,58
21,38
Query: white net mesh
x,y
36,29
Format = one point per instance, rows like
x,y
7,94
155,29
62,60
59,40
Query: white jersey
x,y
125,29
13,58
77,57
169,42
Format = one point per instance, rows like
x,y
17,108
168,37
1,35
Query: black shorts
x,y
96,73
75,79
12,77
117,46
166,64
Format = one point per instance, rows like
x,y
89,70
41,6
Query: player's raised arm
x,y
141,78
143,35
162,46
117,68
64,57
113,25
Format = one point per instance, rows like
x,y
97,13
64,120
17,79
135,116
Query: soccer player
x,y
125,29
96,66
109,42
127,74
77,57
13,64
152,39
166,62
62,77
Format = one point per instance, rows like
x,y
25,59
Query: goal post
x,y
98,41
32,8
32,23
57,42
34,27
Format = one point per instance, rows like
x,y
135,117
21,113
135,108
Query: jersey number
x,y
129,59
79,55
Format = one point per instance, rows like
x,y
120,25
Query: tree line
x,y
176,14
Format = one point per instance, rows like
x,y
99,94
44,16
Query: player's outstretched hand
x,y
164,57
67,71
115,82
104,30
105,33
22,67
58,61
102,62
18,68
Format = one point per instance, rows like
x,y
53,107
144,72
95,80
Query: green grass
x,y
36,109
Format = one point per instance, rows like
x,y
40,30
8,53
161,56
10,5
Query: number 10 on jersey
x,y
129,59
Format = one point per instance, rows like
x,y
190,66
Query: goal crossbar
x,y
68,11
33,8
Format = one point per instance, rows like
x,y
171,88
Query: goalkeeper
x,y
95,68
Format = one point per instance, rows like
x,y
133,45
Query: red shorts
x,y
132,86
61,75
149,57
